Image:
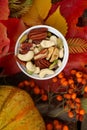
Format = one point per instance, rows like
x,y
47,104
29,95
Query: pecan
x,y
25,47
42,63
42,54
38,34
37,30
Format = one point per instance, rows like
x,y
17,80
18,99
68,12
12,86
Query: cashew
x,y
45,72
26,57
30,67
59,42
37,70
50,52
59,63
54,39
55,54
36,50
61,53
47,43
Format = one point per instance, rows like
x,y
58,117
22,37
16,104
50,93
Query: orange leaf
x,y
77,45
57,21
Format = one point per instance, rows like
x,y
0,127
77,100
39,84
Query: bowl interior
x,y
65,58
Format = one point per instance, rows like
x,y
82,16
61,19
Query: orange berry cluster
x,y
31,87
69,90
56,125
75,84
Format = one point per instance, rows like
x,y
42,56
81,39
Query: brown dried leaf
x,y
77,45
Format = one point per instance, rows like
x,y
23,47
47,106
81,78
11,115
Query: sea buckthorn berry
x,y
49,126
77,100
72,106
65,83
70,91
21,85
70,114
44,97
54,79
65,127
67,96
26,83
82,112
61,75
32,83
36,90
73,96
79,74
58,127
56,122
70,81
62,80
59,98
79,79
85,89
84,81
73,71
78,105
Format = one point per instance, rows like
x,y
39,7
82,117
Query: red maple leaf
x,y
14,28
72,10
4,9
4,40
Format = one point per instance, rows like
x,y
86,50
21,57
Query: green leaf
x,y
77,45
84,104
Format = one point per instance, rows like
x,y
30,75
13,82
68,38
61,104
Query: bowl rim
x,y
65,58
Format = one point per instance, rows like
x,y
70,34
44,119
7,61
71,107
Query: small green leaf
x,y
84,104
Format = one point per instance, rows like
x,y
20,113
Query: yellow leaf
x,y
43,7
37,13
57,21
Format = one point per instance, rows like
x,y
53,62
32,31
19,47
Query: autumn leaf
x,y
4,10
18,8
4,40
76,61
14,27
74,30
57,21
75,9
37,13
77,45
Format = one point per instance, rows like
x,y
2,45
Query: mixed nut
x,y
41,52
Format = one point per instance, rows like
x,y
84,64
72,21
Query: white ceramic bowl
x,y
65,58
